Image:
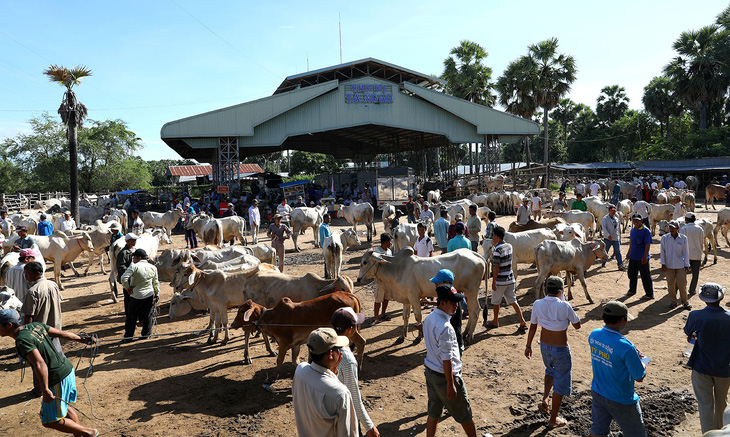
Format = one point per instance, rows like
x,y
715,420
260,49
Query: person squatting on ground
x,y
554,315
143,287
54,371
322,404
503,281
279,232
616,363
444,385
710,358
638,256
345,322
674,256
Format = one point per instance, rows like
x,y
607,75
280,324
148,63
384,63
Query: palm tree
x,y
612,103
72,114
516,95
659,101
466,75
699,73
565,114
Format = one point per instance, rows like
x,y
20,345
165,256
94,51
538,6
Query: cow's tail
x,y
336,252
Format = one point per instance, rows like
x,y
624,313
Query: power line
x,y
221,38
132,107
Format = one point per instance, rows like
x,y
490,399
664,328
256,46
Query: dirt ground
x,y
178,385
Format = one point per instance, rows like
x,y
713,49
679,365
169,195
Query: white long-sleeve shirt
x,y
254,216
66,225
696,239
347,374
642,208
674,252
611,227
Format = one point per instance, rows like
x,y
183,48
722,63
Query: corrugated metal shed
x,y
207,169
685,165
595,166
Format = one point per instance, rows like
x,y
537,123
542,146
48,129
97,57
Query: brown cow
x,y
532,224
712,192
290,323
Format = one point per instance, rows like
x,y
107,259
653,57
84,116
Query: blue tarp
x,y
294,183
129,192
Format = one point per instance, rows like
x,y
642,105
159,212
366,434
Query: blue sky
x,y
157,61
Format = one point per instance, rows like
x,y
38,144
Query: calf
x,y
553,257
166,220
532,225
290,323
362,212
303,218
333,247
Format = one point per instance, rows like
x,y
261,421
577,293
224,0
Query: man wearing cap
x,y
444,385
345,322
579,203
441,230
696,240
124,260
44,226
612,235
137,226
54,371
503,281
523,212
459,241
279,232
322,404
143,287
474,225
638,256
15,276
116,229
66,224
426,213
300,202
458,218
554,315
674,256
710,359
617,364
254,219
446,277
24,240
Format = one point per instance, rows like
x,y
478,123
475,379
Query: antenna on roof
x,y
340,25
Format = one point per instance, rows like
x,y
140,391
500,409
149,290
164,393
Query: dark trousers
x,y
191,237
456,323
138,310
636,267
694,266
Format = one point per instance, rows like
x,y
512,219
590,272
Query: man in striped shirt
x,y
503,281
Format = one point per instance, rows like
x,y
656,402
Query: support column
x,y
228,162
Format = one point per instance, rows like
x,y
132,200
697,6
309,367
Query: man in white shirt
x,y
554,315
580,188
612,235
595,189
254,219
284,211
423,245
322,404
536,206
675,263
682,184
696,240
426,213
679,208
654,185
66,224
641,208
444,385
523,212
136,225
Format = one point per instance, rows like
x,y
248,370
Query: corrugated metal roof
x,y
294,183
207,169
595,166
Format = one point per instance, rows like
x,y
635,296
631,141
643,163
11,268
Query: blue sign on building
x,y
368,93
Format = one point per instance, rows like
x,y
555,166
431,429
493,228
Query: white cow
x,y
119,215
209,229
625,208
168,261
433,196
406,279
303,218
233,227
62,249
404,235
7,228
573,257
688,198
586,219
707,228
8,300
658,213
723,223
166,220
577,229
388,214
354,214
101,238
26,220
149,241
333,247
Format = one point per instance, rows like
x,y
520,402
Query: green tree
x,y
699,72
158,169
72,113
517,96
314,163
565,114
102,145
612,104
466,75
724,18
659,101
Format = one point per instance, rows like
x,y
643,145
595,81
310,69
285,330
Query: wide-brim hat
x,y
712,292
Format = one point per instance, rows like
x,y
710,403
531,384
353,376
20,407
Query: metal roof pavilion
x,y
354,110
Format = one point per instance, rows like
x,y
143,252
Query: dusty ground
x,y
178,385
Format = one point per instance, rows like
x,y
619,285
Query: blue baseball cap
x,y
9,316
444,275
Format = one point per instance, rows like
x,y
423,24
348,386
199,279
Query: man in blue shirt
x,y
44,226
324,232
638,256
710,359
616,192
459,241
616,363
441,231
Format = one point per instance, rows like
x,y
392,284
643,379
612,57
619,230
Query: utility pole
x,y
340,26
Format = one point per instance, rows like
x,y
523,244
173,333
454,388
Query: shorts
x,y
506,291
628,417
379,293
559,365
65,393
459,407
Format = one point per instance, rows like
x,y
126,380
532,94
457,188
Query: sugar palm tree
x,y
612,103
466,75
516,95
699,72
72,114
660,102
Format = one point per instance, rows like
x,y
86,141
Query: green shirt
x,y
458,242
142,277
579,204
35,336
